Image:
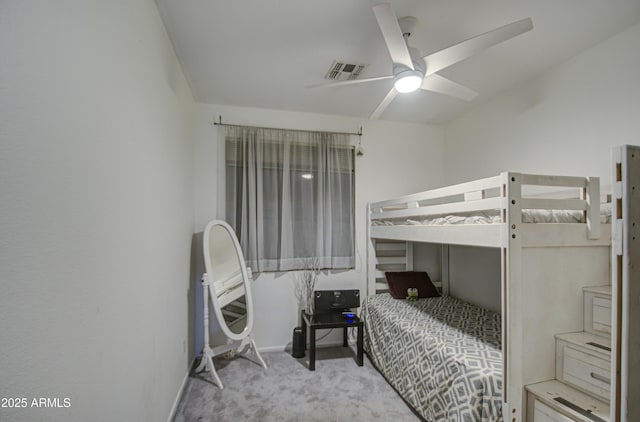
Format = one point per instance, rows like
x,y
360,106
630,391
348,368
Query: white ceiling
x,y
263,53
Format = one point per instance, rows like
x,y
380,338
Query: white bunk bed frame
x,y
544,266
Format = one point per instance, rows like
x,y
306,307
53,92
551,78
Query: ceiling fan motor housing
x,y
402,72
408,81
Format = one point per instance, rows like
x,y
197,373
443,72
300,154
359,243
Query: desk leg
x,y
360,335
345,337
312,349
304,335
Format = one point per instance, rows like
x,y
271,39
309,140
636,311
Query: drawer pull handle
x,y
600,378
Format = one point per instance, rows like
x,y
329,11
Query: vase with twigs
x,y
305,283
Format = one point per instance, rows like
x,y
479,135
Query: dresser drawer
x,y
586,371
597,310
601,308
543,413
556,401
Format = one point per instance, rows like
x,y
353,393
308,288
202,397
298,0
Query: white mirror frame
x,y
239,341
245,281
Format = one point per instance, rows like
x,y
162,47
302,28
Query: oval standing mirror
x,y
228,280
227,285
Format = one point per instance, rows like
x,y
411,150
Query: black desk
x,y
329,320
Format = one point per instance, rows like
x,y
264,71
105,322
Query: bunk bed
x,y
553,241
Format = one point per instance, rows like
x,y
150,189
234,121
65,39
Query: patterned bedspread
x,y
441,354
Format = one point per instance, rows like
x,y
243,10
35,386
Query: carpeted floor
x,y
338,390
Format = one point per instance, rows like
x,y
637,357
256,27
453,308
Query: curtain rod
x,y
219,123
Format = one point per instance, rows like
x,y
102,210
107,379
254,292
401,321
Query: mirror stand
x,y
241,346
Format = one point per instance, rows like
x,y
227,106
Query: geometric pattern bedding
x,y
441,354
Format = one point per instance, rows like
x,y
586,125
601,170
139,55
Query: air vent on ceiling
x,y
339,71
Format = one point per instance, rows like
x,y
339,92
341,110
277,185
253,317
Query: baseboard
x,y
334,340
176,402
272,349
287,347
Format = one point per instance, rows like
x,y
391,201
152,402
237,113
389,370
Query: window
x,y
290,197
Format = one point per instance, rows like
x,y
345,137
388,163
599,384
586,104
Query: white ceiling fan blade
x,y
458,52
441,85
349,82
392,34
383,104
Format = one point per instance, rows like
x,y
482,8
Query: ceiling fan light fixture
x,y
408,81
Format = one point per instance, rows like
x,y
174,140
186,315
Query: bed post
x,y
444,268
616,284
512,312
625,284
592,195
370,258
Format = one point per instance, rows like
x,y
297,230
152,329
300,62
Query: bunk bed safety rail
x,y
445,194
491,194
588,199
440,209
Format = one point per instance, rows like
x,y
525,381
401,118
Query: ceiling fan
x,y
411,71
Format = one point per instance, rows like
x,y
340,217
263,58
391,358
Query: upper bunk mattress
x,y
443,355
493,217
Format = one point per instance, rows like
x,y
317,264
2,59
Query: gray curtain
x,y
290,197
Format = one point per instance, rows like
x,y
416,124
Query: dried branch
x,y
305,283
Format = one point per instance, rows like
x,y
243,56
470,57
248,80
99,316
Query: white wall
x,y
428,257
399,159
96,210
475,276
565,122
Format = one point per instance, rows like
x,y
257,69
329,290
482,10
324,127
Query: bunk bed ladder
x,y
390,255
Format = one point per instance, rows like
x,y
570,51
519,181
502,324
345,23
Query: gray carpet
x,y
338,390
